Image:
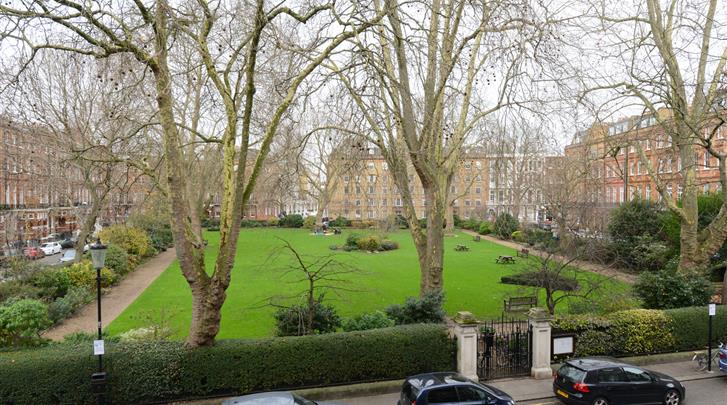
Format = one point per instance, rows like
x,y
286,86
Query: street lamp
x,y
98,379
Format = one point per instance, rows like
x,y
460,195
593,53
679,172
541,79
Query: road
x,y
53,259
711,391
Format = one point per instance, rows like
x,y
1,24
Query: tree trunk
x,y
449,222
690,255
724,288
88,225
434,261
206,305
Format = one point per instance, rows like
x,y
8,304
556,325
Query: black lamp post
x,y
98,379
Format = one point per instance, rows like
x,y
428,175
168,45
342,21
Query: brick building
x,y
42,194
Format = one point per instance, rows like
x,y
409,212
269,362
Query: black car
x,y
67,243
450,388
594,381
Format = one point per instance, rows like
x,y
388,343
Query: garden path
x,y
588,266
116,299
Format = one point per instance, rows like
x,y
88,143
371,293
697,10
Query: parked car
x,y
450,388
602,381
33,253
67,243
68,256
723,357
51,248
272,398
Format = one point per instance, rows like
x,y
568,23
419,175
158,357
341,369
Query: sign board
x,y
563,345
98,348
712,309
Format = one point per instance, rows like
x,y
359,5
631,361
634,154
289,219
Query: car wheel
x,y
600,401
672,397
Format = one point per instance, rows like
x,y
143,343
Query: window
x,y
478,203
370,165
443,396
358,203
370,214
358,190
478,190
383,202
467,203
371,189
636,375
668,190
706,188
370,202
648,192
680,191
385,166
346,178
706,160
492,196
372,178
345,190
611,375
472,394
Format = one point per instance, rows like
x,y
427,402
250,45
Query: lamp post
x,y
98,379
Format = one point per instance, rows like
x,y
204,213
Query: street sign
x,y
98,347
712,309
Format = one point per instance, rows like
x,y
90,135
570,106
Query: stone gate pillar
x,y
466,331
539,320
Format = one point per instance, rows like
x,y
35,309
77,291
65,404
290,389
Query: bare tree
x,y
671,56
89,115
229,47
423,80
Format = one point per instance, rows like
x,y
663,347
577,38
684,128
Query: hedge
x,y
641,331
163,371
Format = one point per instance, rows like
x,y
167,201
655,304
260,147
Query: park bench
x,y
505,259
520,304
523,253
461,248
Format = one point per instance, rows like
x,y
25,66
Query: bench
x,y
520,304
523,253
505,259
461,248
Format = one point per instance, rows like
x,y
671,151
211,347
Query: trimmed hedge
x,y
642,331
162,371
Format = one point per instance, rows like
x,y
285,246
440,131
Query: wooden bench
x,y
505,259
520,304
461,248
523,253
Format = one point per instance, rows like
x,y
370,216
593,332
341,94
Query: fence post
x,y
465,329
540,322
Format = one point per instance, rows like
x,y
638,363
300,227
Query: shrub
x,y
17,289
347,248
389,244
672,289
362,224
505,225
65,306
369,243
690,325
82,274
472,224
352,240
628,223
292,321
649,253
292,221
340,222
117,260
309,222
51,283
273,222
165,371
133,240
148,334
22,321
211,224
518,236
369,320
457,221
537,279
640,331
427,309
485,228
157,227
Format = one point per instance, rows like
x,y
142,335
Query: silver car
x,y
273,398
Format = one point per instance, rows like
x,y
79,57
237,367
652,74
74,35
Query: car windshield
x,y
46,245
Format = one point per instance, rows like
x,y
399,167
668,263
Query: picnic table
x,y
461,248
505,259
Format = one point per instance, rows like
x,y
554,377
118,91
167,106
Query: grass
x,y
471,280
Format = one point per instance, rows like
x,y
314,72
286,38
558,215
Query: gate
x,y
504,349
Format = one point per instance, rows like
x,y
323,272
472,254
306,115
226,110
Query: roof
x,y
434,379
594,363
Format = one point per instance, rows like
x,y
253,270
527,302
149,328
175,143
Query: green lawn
x,y
471,281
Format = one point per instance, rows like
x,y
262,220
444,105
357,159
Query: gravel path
x,y
588,266
116,299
